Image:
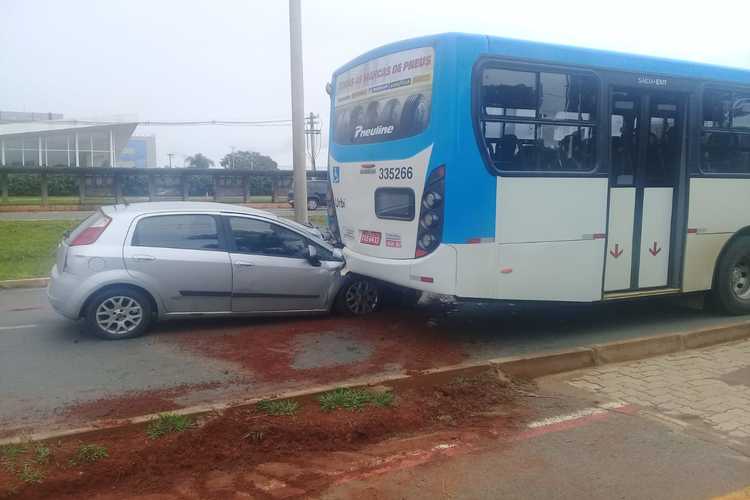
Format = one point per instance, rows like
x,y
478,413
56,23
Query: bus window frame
x,y
598,124
702,129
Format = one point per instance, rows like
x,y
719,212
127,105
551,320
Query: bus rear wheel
x,y
731,289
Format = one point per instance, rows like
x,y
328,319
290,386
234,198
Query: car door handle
x,y
143,258
243,264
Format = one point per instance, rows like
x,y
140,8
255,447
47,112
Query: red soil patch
x,y
229,446
134,403
268,348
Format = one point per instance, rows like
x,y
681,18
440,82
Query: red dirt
x,y
133,404
224,451
267,349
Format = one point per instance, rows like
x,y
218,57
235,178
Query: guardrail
x,y
156,184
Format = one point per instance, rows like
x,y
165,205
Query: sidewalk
x,y
674,426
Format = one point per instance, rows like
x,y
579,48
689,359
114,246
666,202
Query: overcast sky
x,y
229,59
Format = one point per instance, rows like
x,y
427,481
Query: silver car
x,y
128,265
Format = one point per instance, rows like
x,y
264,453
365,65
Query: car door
x,y
271,271
184,258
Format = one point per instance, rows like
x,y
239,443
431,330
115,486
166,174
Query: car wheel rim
x,y
362,297
312,205
740,278
119,315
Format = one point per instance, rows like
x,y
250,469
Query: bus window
x,y
624,140
726,151
541,122
716,108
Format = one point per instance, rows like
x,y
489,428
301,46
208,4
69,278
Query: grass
x,y
42,454
88,454
28,474
167,423
56,200
354,399
27,247
278,407
10,453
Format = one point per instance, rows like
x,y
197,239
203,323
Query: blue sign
x,y
134,154
336,175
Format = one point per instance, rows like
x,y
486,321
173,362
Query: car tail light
x,y
430,230
91,233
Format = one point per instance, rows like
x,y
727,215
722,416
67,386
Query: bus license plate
x,y
370,238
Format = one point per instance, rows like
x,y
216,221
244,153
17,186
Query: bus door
x,y
647,146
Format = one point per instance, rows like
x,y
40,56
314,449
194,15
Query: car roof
x,y
182,206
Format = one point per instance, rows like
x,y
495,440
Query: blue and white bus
x,y
491,168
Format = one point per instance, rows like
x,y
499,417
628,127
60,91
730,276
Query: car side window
x,y
187,232
265,238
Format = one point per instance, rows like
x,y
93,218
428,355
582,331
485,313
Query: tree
x,y
249,160
198,161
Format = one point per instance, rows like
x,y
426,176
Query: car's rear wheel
x,y
312,204
359,296
119,313
731,290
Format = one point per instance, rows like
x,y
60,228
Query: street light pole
x,y
298,112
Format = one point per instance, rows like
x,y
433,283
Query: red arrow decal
x,y
616,252
654,250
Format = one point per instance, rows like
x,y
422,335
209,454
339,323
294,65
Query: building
x,y
48,140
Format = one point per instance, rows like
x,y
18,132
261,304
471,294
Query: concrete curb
x,y
24,283
533,366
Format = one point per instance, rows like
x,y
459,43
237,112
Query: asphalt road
x,y
52,374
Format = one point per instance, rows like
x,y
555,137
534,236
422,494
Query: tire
x,y
129,310
359,296
731,291
414,115
312,204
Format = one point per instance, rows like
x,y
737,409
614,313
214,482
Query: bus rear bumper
x,y
434,273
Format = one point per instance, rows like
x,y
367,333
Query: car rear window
x,y
394,203
188,232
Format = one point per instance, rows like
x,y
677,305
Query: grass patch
x,y
42,454
88,454
29,474
27,248
168,423
278,407
354,399
9,454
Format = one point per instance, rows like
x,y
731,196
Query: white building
x,y
47,140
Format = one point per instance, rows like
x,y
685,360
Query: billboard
x,y
384,99
139,152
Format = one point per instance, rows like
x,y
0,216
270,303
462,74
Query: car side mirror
x,y
312,256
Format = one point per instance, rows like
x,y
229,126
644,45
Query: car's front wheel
x,y
312,204
359,296
119,313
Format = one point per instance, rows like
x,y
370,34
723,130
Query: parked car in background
x,y
127,266
317,194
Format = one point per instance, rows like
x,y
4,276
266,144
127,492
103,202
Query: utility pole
x,y
298,112
312,133
170,159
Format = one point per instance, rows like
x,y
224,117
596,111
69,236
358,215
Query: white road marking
x,y
16,327
586,412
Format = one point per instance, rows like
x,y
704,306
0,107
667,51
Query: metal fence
x,y
154,184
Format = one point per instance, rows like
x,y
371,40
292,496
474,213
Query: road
x,y
53,375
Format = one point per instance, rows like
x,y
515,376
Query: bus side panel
x,y
470,188
550,233
718,209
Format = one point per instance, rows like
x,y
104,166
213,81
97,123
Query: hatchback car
x,y
128,265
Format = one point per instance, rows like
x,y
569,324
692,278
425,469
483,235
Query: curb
x,y
534,366
24,283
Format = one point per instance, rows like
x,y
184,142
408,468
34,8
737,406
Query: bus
x,y
491,168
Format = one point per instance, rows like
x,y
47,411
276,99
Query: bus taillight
x,y
430,228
